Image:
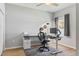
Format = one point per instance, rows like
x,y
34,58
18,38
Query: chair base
x,y
42,49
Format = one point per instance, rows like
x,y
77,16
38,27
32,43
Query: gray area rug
x,y
36,52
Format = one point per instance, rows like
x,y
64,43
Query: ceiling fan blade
x,y
39,4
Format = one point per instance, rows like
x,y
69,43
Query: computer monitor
x,y
53,30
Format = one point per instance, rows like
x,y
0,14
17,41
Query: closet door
x,y
1,29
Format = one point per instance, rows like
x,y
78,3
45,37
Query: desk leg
x,y
56,43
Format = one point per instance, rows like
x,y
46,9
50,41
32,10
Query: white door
x,y
1,30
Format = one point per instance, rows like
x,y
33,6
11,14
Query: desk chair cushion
x,y
42,37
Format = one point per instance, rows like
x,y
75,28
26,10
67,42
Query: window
x,y
61,25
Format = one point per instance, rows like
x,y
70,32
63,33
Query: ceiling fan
x,y
48,4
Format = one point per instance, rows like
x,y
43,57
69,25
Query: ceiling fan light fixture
x,y
48,3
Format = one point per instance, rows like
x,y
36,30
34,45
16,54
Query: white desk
x,y
26,43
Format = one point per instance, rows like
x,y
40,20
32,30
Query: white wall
x,y
77,27
22,19
69,41
2,11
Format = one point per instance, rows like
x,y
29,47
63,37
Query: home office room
x,y
40,29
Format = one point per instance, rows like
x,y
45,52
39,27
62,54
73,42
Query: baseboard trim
x,y
13,47
67,46
39,45
20,47
35,45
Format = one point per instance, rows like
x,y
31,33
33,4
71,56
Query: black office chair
x,y
43,39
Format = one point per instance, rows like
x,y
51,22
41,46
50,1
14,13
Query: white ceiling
x,y
45,7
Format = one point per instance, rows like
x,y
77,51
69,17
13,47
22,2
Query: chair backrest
x,y
55,31
41,36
